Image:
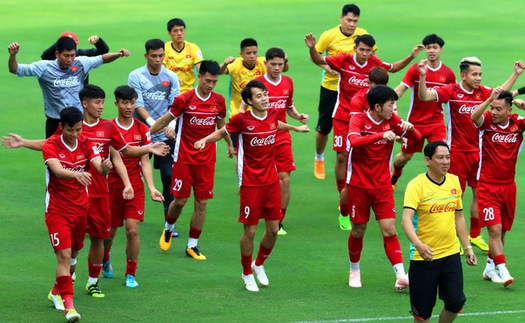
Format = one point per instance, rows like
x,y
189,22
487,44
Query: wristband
x,y
150,121
521,90
468,247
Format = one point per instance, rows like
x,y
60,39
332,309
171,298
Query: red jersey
x,y
256,152
352,78
197,119
102,134
462,133
138,135
500,146
280,96
369,154
359,103
67,195
431,112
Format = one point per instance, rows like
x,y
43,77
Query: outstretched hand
x,y
12,141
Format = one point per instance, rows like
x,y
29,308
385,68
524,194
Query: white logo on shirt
x,y
508,138
71,81
270,140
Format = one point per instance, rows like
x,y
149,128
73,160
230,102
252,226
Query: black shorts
x,y
327,100
426,278
160,162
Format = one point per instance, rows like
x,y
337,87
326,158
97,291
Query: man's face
x,y
499,111
177,34
433,52
274,67
349,23
207,82
472,77
363,52
71,133
93,107
440,161
249,56
154,58
125,107
385,112
259,101
66,58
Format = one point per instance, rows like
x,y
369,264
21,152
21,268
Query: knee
x,y
341,158
180,202
455,305
358,230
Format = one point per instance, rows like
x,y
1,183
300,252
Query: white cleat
x,y
57,301
492,275
261,274
354,280
249,283
506,278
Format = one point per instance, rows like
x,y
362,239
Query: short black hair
x,y
154,44
70,116
91,91
275,52
246,93
378,75
379,94
507,96
211,67
351,8
248,42
175,22
66,44
433,39
125,92
365,39
431,147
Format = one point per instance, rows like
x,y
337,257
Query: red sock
x,y
131,267
106,255
343,208
262,255
246,262
55,290
475,229
340,184
170,220
65,286
355,246
499,259
194,233
283,214
489,255
397,170
393,249
94,270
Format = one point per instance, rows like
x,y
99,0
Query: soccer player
x,y
463,137
100,47
280,95
501,133
198,113
353,71
156,87
182,57
425,116
61,79
258,178
129,212
371,138
334,41
433,221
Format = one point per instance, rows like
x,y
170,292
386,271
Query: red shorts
x,y
122,209
340,133
497,204
99,218
200,177
260,202
465,166
430,132
360,200
66,231
284,157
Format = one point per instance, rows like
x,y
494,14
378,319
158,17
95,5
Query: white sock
x,y
354,266
192,242
92,280
399,269
502,269
169,227
319,156
490,263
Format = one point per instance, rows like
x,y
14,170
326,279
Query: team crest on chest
x,y
165,83
137,137
453,191
100,134
514,128
386,127
74,69
214,108
286,92
188,56
272,126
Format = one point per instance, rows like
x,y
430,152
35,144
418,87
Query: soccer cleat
x,y
282,231
165,240
319,169
479,242
344,223
174,233
72,315
492,275
74,277
354,280
506,278
94,290
107,269
195,254
401,282
261,274
57,301
249,283
130,281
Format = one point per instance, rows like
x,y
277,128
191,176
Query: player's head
x,y
349,18
249,52
501,108
71,124
364,48
92,98
433,46
125,100
381,100
470,68
255,95
437,157
208,76
65,52
177,30
275,60
377,76
154,53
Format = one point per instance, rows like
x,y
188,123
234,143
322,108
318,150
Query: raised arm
x,y
314,54
15,141
161,122
110,57
477,115
12,63
400,90
519,67
423,93
224,65
289,127
158,148
399,65
293,113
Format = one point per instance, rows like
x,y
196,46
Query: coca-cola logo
x,y
381,142
508,138
279,104
71,81
157,95
78,168
465,109
270,140
442,208
208,121
98,147
359,82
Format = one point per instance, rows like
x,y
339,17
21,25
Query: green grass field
x,y
309,267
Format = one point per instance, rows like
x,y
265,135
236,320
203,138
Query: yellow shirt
x,y
434,220
333,42
240,76
182,63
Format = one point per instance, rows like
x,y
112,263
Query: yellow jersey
x,y
240,76
182,63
